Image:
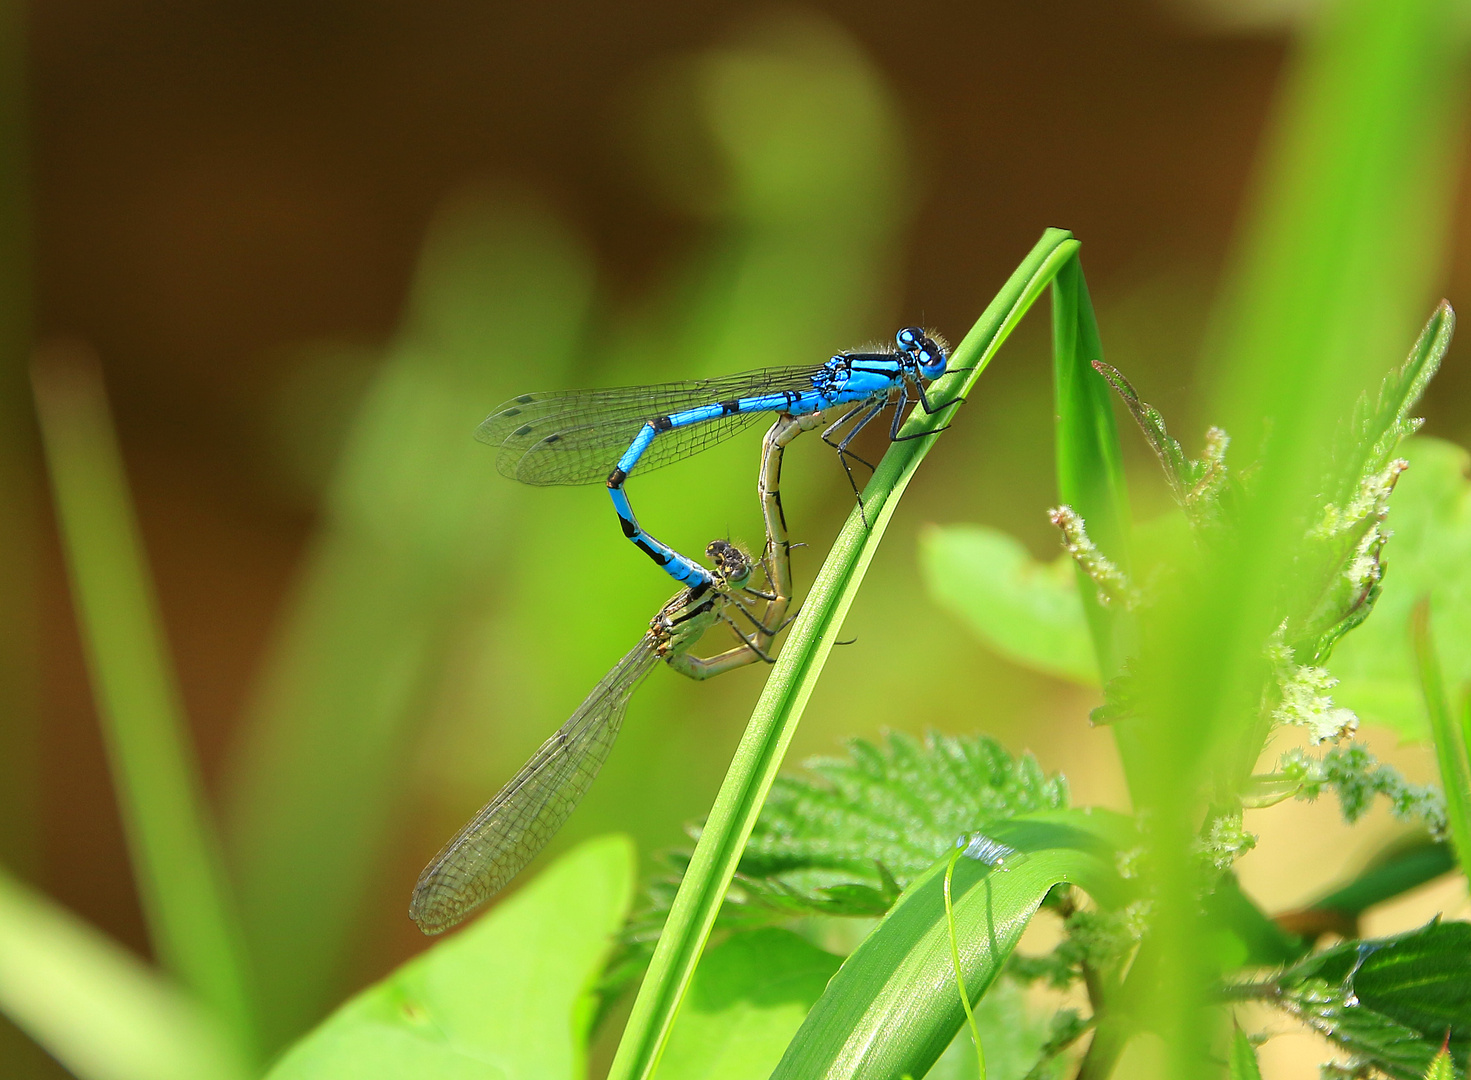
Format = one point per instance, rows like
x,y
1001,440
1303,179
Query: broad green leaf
x,y
748,997
171,837
1242,1061
1394,1000
508,998
95,1007
1428,555
773,723
1024,610
893,1007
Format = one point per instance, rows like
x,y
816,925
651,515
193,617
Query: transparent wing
x,y
514,826
577,436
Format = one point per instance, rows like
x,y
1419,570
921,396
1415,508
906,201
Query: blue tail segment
x,y
573,437
683,570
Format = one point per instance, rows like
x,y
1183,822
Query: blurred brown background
x,y
214,184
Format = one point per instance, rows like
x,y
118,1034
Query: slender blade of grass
x,y
95,1007
171,838
1450,750
1090,465
780,707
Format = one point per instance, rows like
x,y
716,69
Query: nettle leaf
x,y
1429,555
1442,1068
1341,564
890,810
1392,1002
1025,610
1198,485
1242,1063
848,839
1369,440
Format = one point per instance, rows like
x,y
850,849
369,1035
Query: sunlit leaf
x,y
748,997
505,999
1022,609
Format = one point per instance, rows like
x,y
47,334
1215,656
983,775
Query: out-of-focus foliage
x,y
436,590
1429,555
412,534
507,998
98,1009
171,836
1452,741
1023,609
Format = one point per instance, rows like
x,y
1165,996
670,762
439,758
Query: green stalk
x,y
170,837
1450,750
780,707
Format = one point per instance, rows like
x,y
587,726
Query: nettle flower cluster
x,y
1336,578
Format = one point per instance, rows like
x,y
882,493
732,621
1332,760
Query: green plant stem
x,y
782,702
970,1016
172,841
1450,750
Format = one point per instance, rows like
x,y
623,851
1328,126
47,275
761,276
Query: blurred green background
x,y
313,244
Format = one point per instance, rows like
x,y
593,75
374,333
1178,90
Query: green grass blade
x,y
780,707
892,1009
1090,466
171,839
1450,750
95,1007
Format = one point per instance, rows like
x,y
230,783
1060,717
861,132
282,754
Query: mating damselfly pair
x,y
583,436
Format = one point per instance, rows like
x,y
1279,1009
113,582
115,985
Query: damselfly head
x,y
732,565
927,352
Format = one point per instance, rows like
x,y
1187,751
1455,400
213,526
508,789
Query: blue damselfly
x,y
513,827
586,436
